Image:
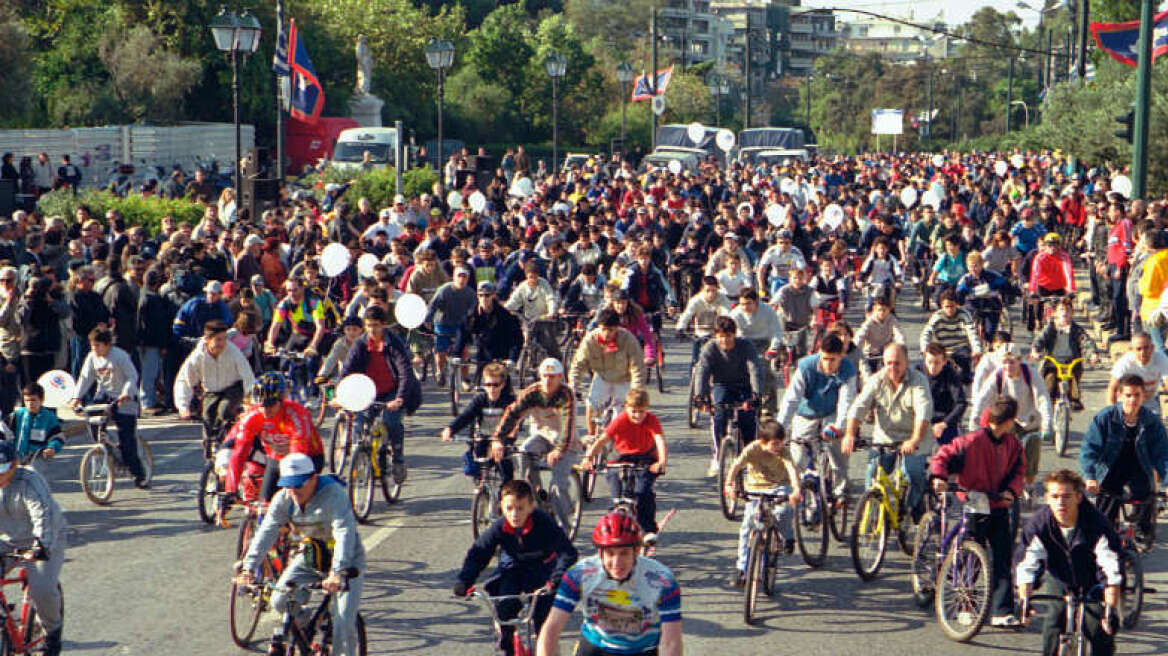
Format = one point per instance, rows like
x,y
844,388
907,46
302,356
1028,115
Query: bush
x,y
137,209
378,185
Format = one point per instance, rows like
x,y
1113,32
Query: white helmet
x,y
551,366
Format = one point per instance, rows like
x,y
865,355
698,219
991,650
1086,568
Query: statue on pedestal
x,y
364,67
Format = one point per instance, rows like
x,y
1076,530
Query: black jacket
x,y
123,307
498,334
949,402
88,311
1093,550
397,356
657,294
474,410
155,316
539,552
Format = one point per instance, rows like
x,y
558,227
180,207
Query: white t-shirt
x,y
1155,371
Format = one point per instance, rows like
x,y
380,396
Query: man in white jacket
x,y
223,372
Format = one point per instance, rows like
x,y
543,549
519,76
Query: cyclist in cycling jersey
x,y
276,426
220,369
1051,274
779,260
305,316
632,604
383,356
613,357
321,517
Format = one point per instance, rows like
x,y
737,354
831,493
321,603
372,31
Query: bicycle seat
x,y
97,409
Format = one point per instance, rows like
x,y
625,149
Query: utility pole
x,y
1082,18
280,98
1143,96
746,68
1066,65
808,99
929,131
1049,58
1009,92
653,76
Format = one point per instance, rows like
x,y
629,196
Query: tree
x,y
500,47
15,83
148,80
687,99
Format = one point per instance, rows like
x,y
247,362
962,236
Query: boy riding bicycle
x,y
35,429
534,553
485,409
1066,341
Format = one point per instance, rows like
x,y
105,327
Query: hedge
x,y
378,185
137,209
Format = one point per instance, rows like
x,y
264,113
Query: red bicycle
x,y
826,315
23,632
248,602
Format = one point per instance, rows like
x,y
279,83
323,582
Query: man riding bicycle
x,y
1018,380
276,427
701,311
632,604
729,374
317,508
775,266
613,356
496,333
305,315
532,300
219,368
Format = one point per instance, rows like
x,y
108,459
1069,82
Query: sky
x,y
955,12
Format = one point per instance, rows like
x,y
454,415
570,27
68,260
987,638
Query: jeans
x,y
78,349
344,608
395,431
746,418
642,491
9,385
1156,334
783,515
538,447
1119,310
805,429
914,466
128,444
994,530
151,357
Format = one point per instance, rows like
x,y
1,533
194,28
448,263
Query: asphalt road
x,y
144,576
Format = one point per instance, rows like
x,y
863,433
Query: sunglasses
x,y
492,384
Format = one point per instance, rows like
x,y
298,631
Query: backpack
x,y
999,382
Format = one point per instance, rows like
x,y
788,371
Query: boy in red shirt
x,y
637,436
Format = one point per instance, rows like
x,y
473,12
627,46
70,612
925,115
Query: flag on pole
x,y
642,90
304,93
1121,40
281,69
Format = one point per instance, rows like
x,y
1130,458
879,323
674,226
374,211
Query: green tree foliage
x,y
15,83
501,47
148,80
687,99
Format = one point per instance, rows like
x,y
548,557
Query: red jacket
x,y
983,465
1052,272
290,431
1072,210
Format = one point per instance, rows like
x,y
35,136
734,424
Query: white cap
x,y
551,366
398,198
213,287
253,240
295,469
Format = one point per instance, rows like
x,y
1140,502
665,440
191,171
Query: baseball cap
x,y
785,234
385,214
486,243
7,455
550,366
462,271
295,469
253,240
732,235
257,279
398,198
486,286
213,287
352,320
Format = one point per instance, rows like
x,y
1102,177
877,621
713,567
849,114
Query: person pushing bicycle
x,y
318,509
534,553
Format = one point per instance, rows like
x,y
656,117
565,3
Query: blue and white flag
x,y
642,89
1121,40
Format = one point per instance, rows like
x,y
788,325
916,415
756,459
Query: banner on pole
x,y
1121,40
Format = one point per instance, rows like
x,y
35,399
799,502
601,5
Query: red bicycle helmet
x,y
616,529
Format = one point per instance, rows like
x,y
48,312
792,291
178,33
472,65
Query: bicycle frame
x,y
524,637
891,488
303,638
19,629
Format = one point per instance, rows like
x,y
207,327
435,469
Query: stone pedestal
x,y
366,110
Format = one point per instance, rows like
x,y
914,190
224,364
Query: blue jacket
x,y
45,422
1104,441
821,395
539,553
195,313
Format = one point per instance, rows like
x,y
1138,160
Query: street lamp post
x,y
719,86
624,75
440,57
557,65
1025,110
236,36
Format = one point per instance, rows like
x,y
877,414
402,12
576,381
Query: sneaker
x,y
399,472
738,579
52,646
141,483
1076,405
1005,621
650,539
276,648
441,379
712,470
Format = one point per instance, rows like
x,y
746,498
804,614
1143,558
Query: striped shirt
x,y
951,332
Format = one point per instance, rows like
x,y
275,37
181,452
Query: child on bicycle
x,y
638,437
880,272
535,553
768,467
486,409
989,461
35,428
1065,340
331,367
880,328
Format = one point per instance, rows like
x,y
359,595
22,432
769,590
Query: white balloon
x,y
454,200
365,265
1001,168
674,166
410,311
908,197
59,387
522,187
478,202
1018,161
356,392
788,186
932,199
938,160
1122,184
334,259
776,214
725,139
833,216
695,131
873,196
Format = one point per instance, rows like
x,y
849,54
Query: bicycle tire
x,y
455,389
34,631
361,484
339,445
811,524
522,365
871,523
837,506
97,474
208,493
321,414
481,511
571,525
390,488
659,363
146,457
771,568
1062,426
727,453
692,409
922,570
961,567
244,616
1132,590
753,577
362,640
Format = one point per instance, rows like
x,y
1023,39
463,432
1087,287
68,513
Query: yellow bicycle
x,y
1062,407
369,454
880,511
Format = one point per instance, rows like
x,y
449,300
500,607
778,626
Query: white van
x,y
352,144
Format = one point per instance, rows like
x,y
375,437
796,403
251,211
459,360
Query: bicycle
x,y
604,418
301,628
368,455
296,371
789,354
880,510
827,314
22,632
626,501
821,512
728,450
248,602
102,462
211,492
1072,640
766,546
952,570
694,407
531,465
659,349
1130,563
1062,406
484,504
524,636
533,353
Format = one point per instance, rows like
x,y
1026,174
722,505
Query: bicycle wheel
x,y
837,505
869,536
573,502
774,544
754,575
362,642
811,528
455,389
246,603
1132,590
962,601
922,569
390,488
208,493
692,410
146,457
97,474
588,480
727,453
361,484
339,445
660,366
481,510
1062,426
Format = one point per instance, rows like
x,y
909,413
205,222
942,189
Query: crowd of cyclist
x,y
757,265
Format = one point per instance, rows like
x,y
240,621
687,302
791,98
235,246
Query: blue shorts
x,y
445,336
